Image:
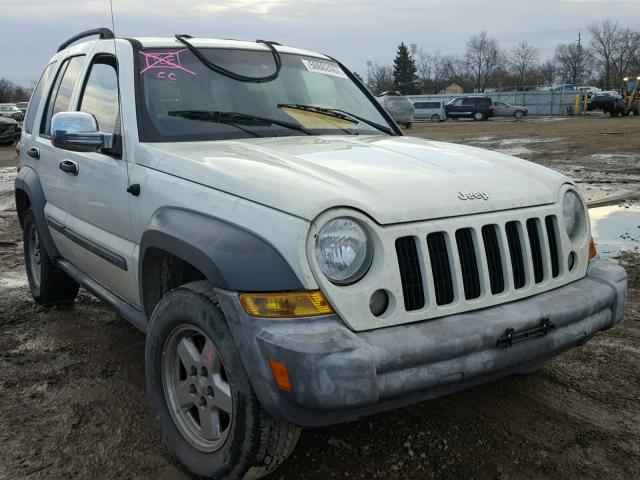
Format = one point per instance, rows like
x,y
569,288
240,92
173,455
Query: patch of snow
x,y
13,280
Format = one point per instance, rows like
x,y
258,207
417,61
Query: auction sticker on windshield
x,y
327,68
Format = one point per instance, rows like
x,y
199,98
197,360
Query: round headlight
x,y
343,251
572,212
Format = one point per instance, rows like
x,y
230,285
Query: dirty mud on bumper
x,y
338,375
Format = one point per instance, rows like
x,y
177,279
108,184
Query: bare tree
x,y
548,72
482,57
10,92
523,60
380,78
605,39
574,61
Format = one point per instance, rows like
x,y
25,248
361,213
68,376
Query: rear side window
x,y
100,94
36,98
469,101
60,95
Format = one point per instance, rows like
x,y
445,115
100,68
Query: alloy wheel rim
x,y
197,388
35,255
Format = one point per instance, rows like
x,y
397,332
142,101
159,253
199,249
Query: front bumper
x,y
338,375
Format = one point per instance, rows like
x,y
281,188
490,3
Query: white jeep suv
x,y
294,260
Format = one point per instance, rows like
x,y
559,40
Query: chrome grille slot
x,y
494,258
515,252
440,268
468,263
410,273
536,250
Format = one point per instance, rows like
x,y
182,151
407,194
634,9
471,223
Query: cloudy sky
x,y
354,31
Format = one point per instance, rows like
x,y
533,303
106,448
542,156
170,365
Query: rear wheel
x,y
208,413
48,284
435,118
478,116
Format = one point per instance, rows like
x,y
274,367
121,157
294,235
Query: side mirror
x,y
78,132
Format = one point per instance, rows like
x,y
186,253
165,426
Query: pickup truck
x,y
294,259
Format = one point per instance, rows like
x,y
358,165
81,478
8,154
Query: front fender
x,y
230,257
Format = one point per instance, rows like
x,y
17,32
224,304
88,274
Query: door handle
x,y
69,167
34,153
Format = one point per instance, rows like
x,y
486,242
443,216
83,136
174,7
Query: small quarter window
x,y
60,95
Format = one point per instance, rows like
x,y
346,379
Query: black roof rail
x,y
104,33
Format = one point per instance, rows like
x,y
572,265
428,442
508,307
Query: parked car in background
x,y
478,108
432,110
9,110
399,107
564,87
610,102
9,131
504,109
23,107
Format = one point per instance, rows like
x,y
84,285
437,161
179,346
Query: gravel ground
x,y
74,402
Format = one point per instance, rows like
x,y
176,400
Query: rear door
x,y
98,219
468,107
58,99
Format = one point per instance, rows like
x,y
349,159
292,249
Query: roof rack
x,y
104,33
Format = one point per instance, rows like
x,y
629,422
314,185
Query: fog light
x,y
379,302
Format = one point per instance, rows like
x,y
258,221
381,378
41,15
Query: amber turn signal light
x,y
280,374
286,304
592,249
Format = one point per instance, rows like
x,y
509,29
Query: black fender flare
x,y
230,257
28,182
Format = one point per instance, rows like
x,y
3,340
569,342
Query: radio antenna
x,y
122,129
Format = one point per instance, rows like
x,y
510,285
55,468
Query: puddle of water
x,y
616,228
11,280
516,151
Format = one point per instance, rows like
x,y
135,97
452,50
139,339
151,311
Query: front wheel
x,y
518,114
408,125
208,412
478,116
435,118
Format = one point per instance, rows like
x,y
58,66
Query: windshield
x,y
183,100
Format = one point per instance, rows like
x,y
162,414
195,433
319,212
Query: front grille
x,y
483,261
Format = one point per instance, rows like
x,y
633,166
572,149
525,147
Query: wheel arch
x,y
179,246
29,194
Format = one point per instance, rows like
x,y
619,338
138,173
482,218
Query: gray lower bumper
x,y
339,375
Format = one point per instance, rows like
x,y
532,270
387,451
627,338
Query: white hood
x,y
392,179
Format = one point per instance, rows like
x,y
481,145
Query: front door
x,y
98,220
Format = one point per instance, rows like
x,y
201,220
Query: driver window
x,y
457,102
100,94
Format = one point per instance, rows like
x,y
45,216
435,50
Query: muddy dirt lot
x,y
73,401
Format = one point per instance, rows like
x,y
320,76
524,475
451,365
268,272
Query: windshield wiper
x,y
236,119
337,113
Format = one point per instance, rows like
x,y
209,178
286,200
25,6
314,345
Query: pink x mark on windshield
x,y
164,60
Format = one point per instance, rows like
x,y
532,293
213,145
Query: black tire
x,y
48,284
435,118
408,125
614,114
479,116
255,444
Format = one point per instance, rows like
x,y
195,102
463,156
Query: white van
x,y
433,110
